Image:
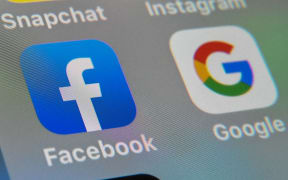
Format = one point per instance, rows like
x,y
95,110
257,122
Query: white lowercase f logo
x,y
81,92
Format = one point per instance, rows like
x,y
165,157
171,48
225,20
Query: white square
x,y
246,85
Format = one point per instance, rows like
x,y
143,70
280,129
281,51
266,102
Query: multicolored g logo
x,y
243,67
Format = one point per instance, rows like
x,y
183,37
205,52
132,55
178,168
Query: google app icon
x,y
223,69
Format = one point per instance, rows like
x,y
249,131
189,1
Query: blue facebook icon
x,y
77,86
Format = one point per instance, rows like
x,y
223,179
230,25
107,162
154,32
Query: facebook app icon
x,y
77,86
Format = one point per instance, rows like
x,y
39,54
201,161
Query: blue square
x,y
77,86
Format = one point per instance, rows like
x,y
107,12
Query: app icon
x,y
29,1
223,69
3,169
136,177
77,86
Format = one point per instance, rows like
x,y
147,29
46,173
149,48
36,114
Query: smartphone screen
x,y
146,89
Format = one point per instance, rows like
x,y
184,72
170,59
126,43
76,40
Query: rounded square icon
x,y
29,1
223,69
77,86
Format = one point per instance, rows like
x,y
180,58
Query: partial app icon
x,y
77,86
3,169
136,177
223,69
29,1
